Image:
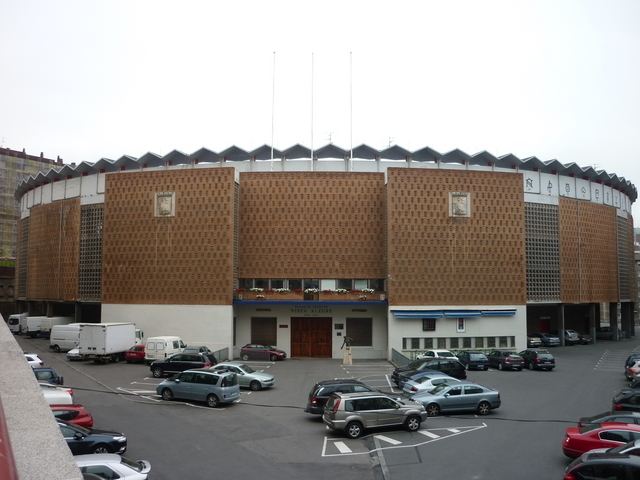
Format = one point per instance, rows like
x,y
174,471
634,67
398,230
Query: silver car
x,y
459,397
247,376
203,385
421,382
352,413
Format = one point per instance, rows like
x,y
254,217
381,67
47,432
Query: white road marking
x,y
342,447
387,439
144,383
427,433
453,430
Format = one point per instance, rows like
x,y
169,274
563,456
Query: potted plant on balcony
x,y
311,293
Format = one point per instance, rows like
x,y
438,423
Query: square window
x,y
428,324
360,284
442,343
276,283
453,342
327,284
415,343
466,342
345,283
295,284
479,342
503,342
428,342
491,342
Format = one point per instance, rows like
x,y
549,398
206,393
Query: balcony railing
x,y
322,295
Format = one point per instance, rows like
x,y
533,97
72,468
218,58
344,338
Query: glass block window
x,y
22,258
543,252
625,260
90,269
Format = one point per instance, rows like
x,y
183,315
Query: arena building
x,y
398,250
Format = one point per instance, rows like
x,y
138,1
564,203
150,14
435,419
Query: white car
x,y
55,395
426,382
436,354
74,354
110,465
33,360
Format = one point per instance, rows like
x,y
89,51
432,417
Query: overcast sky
x,y
555,79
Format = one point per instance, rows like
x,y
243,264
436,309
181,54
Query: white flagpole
x,y
311,110
350,110
273,103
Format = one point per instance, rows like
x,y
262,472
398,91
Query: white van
x,y
33,325
64,337
50,322
159,348
14,322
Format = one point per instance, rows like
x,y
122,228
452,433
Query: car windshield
x,y
621,448
246,368
424,379
439,389
415,364
589,427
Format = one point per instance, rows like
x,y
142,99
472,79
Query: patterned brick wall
x,y
53,251
435,259
22,246
312,225
588,257
626,264
181,259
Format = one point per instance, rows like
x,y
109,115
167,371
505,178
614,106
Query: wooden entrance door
x,y
311,337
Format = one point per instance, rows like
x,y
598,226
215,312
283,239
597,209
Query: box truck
x,y
14,322
104,342
33,325
47,324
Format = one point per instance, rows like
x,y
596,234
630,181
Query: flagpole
x,y
311,110
350,110
273,102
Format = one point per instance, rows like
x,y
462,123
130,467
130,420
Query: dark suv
x,y
536,359
321,391
627,399
449,366
502,360
181,362
48,375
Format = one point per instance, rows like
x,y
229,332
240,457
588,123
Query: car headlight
x,y
120,439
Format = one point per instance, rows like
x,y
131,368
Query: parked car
x,y
604,466
435,354
609,417
629,362
321,391
505,360
91,440
201,385
261,352
111,466
459,397
627,399
585,338
606,435
537,359
48,375
414,366
352,413
33,360
427,380
533,341
473,360
605,333
247,376
571,337
55,395
75,414
450,366
74,355
548,339
197,349
181,362
135,354
633,371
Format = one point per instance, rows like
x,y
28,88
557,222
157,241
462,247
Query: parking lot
x,y
268,434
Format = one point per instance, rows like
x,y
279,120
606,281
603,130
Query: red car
x,y
135,354
75,414
605,435
261,352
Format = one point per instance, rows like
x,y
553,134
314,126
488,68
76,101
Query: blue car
x,y
201,385
459,397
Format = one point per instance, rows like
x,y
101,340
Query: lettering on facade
x,y
311,310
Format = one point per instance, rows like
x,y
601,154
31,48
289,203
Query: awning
x,y
402,314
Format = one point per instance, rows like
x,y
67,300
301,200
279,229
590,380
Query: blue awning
x,y
402,314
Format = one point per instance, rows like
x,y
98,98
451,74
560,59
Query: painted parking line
x,y
429,434
453,430
388,440
342,447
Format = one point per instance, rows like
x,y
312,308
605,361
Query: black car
x,y
48,375
473,360
321,391
505,360
621,417
604,466
536,359
585,338
181,362
450,366
627,399
197,349
83,441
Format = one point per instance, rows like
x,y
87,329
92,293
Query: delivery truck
x,y
106,342
47,324
16,320
33,325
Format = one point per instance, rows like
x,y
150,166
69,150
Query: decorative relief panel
x,y
435,259
182,259
311,225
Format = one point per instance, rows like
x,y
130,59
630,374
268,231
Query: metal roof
x,y
364,152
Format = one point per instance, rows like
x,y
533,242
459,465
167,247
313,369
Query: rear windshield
x,y
477,356
229,380
330,403
545,356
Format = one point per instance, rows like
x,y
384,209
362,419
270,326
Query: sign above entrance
x,y
311,310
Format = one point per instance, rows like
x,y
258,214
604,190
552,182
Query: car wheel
x,y
353,429
484,408
433,410
273,358
245,357
167,394
486,368
500,366
255,386
101,448
413,423
212,400
56,348
530,366
157,372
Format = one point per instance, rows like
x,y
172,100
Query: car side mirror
x,y
446,394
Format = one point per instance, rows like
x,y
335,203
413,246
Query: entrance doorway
x,y
311,337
